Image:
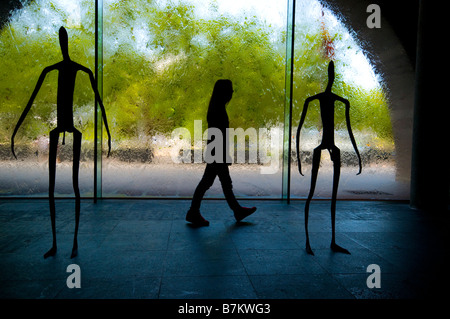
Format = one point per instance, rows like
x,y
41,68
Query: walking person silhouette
x,y
327,100
217,118
67,71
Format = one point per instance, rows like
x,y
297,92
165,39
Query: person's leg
x,y
193,215
227,186
205,183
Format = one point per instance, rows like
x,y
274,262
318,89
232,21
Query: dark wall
x,y
430,170
403,16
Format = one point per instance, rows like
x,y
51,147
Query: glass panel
x,y
29,43
321,37
161,60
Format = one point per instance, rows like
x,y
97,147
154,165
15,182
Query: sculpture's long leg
x,y
54,136
314,173
335,155
76,167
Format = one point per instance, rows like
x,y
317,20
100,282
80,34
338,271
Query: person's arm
x,y
350,133
97,95
297,140
29,104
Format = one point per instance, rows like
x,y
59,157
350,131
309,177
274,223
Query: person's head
x,y
64,42
330,74
222,93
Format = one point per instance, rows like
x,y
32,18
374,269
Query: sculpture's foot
x,y
74,251
51,252
308,249
339,249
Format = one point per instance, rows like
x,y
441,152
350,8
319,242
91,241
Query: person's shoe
x,y
196,218
243,212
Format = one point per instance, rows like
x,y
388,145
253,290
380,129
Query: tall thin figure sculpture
x,y
67,71
327,100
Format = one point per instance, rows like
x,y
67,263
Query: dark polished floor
x,y
145,249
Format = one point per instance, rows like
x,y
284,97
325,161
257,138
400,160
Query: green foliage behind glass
x,y
165,81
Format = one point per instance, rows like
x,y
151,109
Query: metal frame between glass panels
x,y
289,79
98,116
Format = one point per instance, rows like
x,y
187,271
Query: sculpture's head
x,y
330,74
64,42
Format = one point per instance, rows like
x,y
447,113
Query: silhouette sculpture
x,y
327,100
217,117
67,71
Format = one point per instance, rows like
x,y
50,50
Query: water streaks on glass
x,y
160,62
